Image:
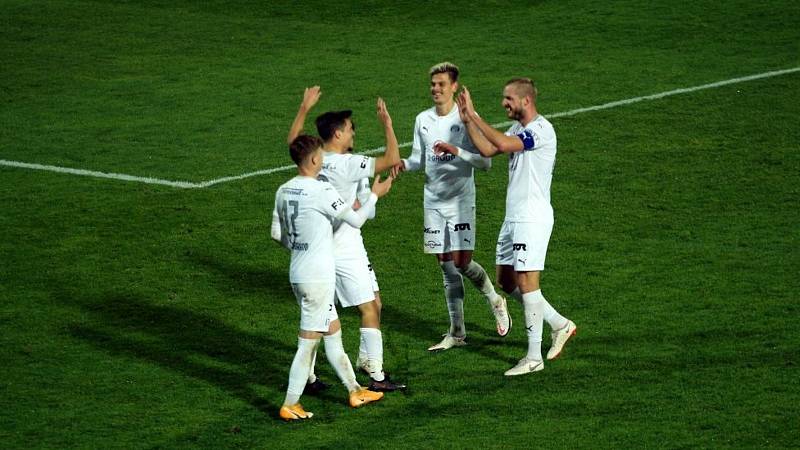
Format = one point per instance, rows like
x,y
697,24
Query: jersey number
x,y
289,220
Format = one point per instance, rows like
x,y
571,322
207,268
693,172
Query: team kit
x,y
319,213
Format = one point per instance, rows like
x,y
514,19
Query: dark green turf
x,y
148,316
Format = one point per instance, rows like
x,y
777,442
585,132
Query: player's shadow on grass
x,y
480,340
197,345
265,279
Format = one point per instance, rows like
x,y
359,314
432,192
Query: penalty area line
x,y
216,181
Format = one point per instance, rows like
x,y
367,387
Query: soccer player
x,y
302,220
443,149
355,281
522,245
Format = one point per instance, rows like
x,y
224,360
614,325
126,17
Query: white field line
x,y
204,184
92,173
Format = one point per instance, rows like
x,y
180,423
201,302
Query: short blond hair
x,y
445,67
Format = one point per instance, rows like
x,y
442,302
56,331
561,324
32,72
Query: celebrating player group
x,y
318,216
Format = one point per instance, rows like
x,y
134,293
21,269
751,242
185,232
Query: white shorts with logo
x,y
317,310
448,229
356,282
523,245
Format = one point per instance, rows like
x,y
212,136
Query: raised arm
x,y
467,111
391,155
499,142
310,98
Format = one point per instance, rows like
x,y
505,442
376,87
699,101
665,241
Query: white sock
x,y
312,377
339,360
373,340
454,294
533,303
551,316
481,280
362,349
298,373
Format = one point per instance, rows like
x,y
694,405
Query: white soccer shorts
x,y
448,229
523,245
354,279
317,310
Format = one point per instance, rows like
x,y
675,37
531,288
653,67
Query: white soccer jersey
x,y
530,172
307,209
449,180
344,171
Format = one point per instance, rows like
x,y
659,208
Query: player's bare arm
x,y
310,98
468,115
477,161
501,142
391,156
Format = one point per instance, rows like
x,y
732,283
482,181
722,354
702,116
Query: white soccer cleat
x,y
524,366
448,342
559,339
500,311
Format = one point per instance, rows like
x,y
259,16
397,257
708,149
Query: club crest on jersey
x,y
455,129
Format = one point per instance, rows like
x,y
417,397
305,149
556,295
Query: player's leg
x,y
337,357
480,279
314,319
462,243
362,361
437,242
355,287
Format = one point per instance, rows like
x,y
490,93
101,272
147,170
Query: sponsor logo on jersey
x,y
522,247
461,227
432,244
300,246
293,191
441,158
429,230
335,205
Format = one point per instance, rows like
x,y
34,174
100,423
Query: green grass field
x,y
146,316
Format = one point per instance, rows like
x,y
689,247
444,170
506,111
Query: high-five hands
x,y
381,188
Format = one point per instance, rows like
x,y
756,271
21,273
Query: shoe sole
x,y
510,324
538,368
574,332
297,417
440,349
364,402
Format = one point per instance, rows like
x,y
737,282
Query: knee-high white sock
x,y
373,339
339,360
551,316
533,303
362,350
312,377
298,373
454,294
478,276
